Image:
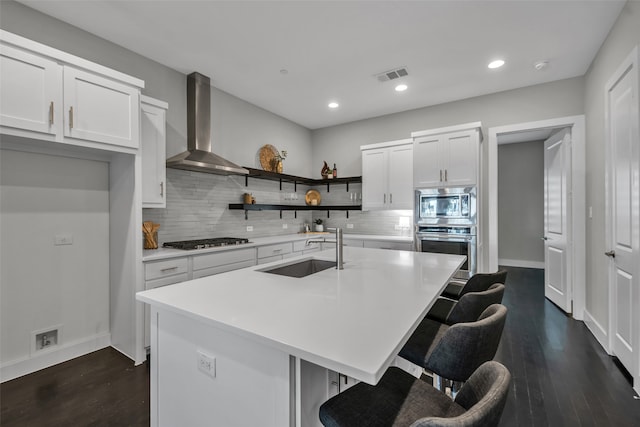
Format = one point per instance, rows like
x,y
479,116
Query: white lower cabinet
x,y
152,284
276,252
220,262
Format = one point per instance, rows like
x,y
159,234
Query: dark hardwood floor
x,y
561,376
100,389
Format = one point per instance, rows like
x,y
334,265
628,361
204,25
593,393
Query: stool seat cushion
x,y
423,341
441,310
399,399
453,290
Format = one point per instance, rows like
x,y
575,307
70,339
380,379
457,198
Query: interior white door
x,y
622,201
557,166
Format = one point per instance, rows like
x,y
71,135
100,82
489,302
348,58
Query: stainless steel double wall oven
x,y
446,223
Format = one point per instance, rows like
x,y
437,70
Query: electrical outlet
x,y
349,225
285,226
249,227
207,364
63,239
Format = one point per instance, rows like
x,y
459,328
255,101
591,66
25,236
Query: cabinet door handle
x,y
70,117
384,199
441,175
51,114
445,175
390,198
162,189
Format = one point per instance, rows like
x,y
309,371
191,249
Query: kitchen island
x,y
250,347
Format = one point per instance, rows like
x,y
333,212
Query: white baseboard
x,y
597,331
520,263
26,365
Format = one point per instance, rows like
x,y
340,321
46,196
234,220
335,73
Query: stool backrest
x,y
472,304
466,346
483,396
481,281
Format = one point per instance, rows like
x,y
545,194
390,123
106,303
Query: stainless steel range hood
x,y
199,156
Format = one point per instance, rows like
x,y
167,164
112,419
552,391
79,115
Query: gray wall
x,y
520,203
624,36
545,101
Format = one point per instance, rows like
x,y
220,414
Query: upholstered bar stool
x,y
468,308
477,283
455,352
399,399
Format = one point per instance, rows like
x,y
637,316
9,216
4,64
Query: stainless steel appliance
x,y
206,243
446,223
446,206
450,240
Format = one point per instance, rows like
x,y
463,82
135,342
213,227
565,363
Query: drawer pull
x,y
164,270
277,250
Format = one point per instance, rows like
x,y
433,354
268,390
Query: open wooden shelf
x,y
282,177
266,207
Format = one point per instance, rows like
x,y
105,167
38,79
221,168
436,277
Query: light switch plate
x,y
249,227
207,364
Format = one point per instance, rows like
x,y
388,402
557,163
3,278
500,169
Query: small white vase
x,y
319,227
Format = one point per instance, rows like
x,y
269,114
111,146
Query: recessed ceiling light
x,y
401,88
333,105
496,64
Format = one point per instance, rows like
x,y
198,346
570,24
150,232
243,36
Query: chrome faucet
x,y
339,244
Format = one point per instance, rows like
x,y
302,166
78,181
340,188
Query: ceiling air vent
x,y
392,74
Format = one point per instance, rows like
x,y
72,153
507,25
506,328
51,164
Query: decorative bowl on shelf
x,y
312,198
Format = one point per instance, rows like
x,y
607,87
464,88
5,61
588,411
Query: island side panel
x,y
250,386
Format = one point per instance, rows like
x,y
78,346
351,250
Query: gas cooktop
x,y
206,243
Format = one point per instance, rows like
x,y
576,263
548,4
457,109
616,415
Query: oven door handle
x,y
446,237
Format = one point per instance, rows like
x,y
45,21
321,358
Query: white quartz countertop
x,y
352,321
166,253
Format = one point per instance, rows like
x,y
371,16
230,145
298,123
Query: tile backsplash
x,y
198,207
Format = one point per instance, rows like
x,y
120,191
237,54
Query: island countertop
x,y
353,321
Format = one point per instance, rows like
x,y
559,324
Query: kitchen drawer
x,y
165,268
269,259
223,268
272,250
378,244
353,243
218,259
301,245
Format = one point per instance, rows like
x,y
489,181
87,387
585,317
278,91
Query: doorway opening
x,y
575,256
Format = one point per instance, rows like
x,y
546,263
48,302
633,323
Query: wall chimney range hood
x,y
199,157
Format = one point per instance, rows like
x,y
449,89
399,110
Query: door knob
x,y
545,238
611,254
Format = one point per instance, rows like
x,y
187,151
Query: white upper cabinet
x,y
153,145
387,175
100,109
51,95
31,92
447,157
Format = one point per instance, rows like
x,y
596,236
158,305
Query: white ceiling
x,y
332,49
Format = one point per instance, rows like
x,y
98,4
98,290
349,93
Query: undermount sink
x,y
302,268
